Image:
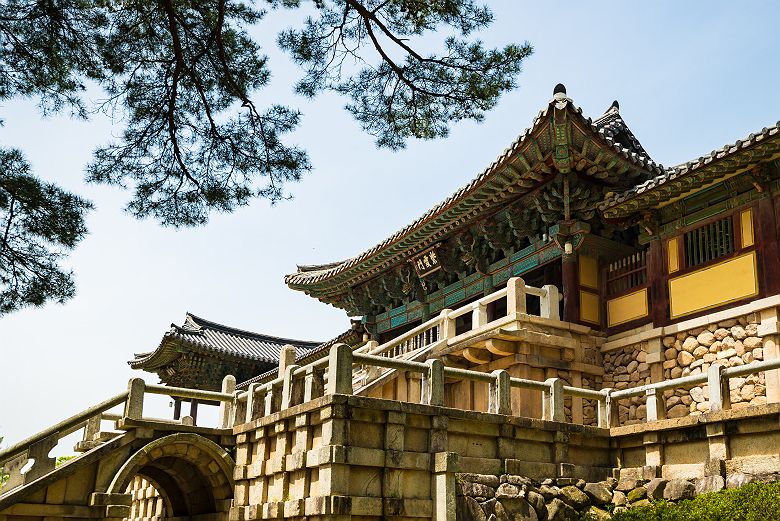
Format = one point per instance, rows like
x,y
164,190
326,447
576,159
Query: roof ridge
x,y
242,332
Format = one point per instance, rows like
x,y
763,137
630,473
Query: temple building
x,y
644,257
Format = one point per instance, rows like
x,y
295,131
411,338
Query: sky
x,y
690,77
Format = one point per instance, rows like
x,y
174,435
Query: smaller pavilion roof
x,y
201,335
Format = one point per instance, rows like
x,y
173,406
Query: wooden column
x,y
656,277
571,301
177,409
766,238
194,411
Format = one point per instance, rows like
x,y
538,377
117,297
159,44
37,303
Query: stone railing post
x,y
479,316
252,401
288,387
500,401
515,296
433,383
605,410
548,304
768,330
772,378
286,357
313,384
655,405
238,411
134,406
92,428
447,327
273,398
340,370
552,405
370,346
226,408
719,389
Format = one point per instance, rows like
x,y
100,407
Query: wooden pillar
x,y
766,238
571,301
194,411
177,409
656,277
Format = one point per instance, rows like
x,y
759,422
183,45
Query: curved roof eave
x,y
237,344
626,202
349,269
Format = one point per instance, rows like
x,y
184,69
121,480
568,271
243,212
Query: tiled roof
x,y
690,167
608,130
352,336
612,126
203,335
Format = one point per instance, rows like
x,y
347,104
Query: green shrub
x,y
63,459
753,502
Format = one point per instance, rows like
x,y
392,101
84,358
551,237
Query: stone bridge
x,y
187,471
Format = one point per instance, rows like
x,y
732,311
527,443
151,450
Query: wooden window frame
x,y
682,258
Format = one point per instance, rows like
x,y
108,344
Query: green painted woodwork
x,y
516,265
731,194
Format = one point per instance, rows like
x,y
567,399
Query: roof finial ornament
x,y
615,105
559,95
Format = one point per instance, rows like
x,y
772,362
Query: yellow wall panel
x,y
627,308
589,272
721,283
589,307
746,222
674,256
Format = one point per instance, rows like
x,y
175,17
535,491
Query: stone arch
x,y
193,474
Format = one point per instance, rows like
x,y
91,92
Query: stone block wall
x,y
729,343
375,459
147,504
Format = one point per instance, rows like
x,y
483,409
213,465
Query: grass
x,y
752,502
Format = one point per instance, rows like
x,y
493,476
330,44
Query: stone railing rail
x,y
334,375
442,326
29,459
15,458
717,379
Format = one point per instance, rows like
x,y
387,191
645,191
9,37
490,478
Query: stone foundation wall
x,y
729,343
377,459
624,368
510,497
589,407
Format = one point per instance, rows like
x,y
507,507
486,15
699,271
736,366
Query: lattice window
x,y
627,273
709,242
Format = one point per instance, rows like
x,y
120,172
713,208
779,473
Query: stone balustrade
x,y
334,375
29,459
